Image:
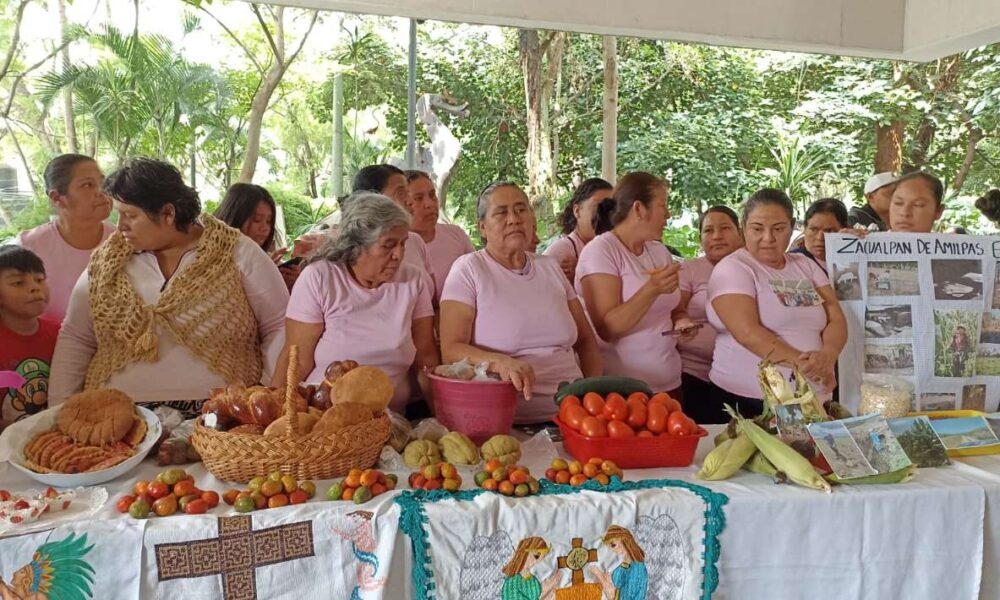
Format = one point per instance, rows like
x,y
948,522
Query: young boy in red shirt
x,y
26,340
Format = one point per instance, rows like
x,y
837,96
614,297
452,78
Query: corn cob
x,y
759,464
727,458
781,455
899,476
772,383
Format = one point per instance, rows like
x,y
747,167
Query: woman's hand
x,y
664,280
687,329
819,366
277,256
517,372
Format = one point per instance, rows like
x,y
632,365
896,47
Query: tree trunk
x,y
67,92
530,54
609,142
889,146
24,159
975,135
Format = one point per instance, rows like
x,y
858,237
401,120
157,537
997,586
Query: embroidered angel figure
x,y
652,561
363,544
56,570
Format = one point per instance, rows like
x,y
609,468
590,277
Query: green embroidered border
x,y
413,518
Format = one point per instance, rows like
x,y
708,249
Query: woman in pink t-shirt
x,y
629,283
719,229
577,222
445,242
515,310
358,300
766,303
73,184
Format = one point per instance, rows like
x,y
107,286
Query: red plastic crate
x,y
635,452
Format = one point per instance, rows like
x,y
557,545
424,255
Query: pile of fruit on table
x,y
615,416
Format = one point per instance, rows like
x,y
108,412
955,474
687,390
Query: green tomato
x,y
336,491
139,509
244,504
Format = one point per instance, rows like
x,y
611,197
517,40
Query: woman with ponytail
x,y
629,283
577,222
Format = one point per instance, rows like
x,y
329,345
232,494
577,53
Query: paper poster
x,y
922,307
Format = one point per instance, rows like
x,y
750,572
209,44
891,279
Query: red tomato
x,y
645,433
690,427
575,416
196,507
619,429
123,503
593,427
602,419
615,408
571,399
665,399
637,413
637,396
157,489
677,423
656,418
593,403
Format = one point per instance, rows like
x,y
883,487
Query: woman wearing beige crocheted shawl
x,y
173,304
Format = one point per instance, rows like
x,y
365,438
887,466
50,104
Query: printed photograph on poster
x,y
957,279
974,397
890,321
892,359
988,360
996,286
877,443
994,422
796,292
846,281
792,430
937,401
919,441
840,449
893,278
956,335
964,432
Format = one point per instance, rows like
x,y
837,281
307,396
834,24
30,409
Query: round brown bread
x,y
341,415
97,417
368,385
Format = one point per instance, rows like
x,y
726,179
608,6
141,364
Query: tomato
x,y
575,416
615,408
640,396
165,506
571,399
665,399
690,427
645,433
593,402
123,503
196,507
157,489
677,423
656,417
593,427
184,487
619,429
210,498
140,487
637,413
231,496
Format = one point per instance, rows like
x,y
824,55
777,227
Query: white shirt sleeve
x,y
75,347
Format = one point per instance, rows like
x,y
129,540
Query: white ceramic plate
x,y
15,437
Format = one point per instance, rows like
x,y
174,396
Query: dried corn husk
x,y
782,456
727,458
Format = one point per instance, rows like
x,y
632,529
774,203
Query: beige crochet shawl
x,y
204,308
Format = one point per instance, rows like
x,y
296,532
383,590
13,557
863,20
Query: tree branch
x,y
21,75
15,39
267,33
305,36
236,39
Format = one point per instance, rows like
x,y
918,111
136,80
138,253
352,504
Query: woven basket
x,y
240,457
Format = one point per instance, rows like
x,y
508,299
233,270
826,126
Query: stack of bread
x,y
95,430
350,395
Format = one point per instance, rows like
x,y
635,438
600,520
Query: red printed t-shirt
x,y
24,370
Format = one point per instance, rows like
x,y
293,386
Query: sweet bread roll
x,y
343,414
97,417
368,385
306,423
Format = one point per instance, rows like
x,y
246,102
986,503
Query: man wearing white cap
x,y
878,193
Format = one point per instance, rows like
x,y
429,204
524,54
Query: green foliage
x,y
36,213
921,444
299,213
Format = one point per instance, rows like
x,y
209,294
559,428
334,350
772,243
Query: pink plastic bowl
x,y
479,409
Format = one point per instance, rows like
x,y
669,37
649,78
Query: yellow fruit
x,y
420,453
503,448
575,468
457,448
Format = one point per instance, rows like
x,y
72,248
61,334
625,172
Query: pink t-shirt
x,y
568,246
63,263
450,242
644,353
524,316
371,326
787,304
696,355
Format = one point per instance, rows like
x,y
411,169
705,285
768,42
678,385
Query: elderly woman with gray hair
x,y
357,299
515,310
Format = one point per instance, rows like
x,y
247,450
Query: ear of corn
x,y
759,464
782,456
772,383
727,458
899,476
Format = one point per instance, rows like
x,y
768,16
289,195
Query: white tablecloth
x,y
924,539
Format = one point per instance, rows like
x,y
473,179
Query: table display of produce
x,y
483,515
